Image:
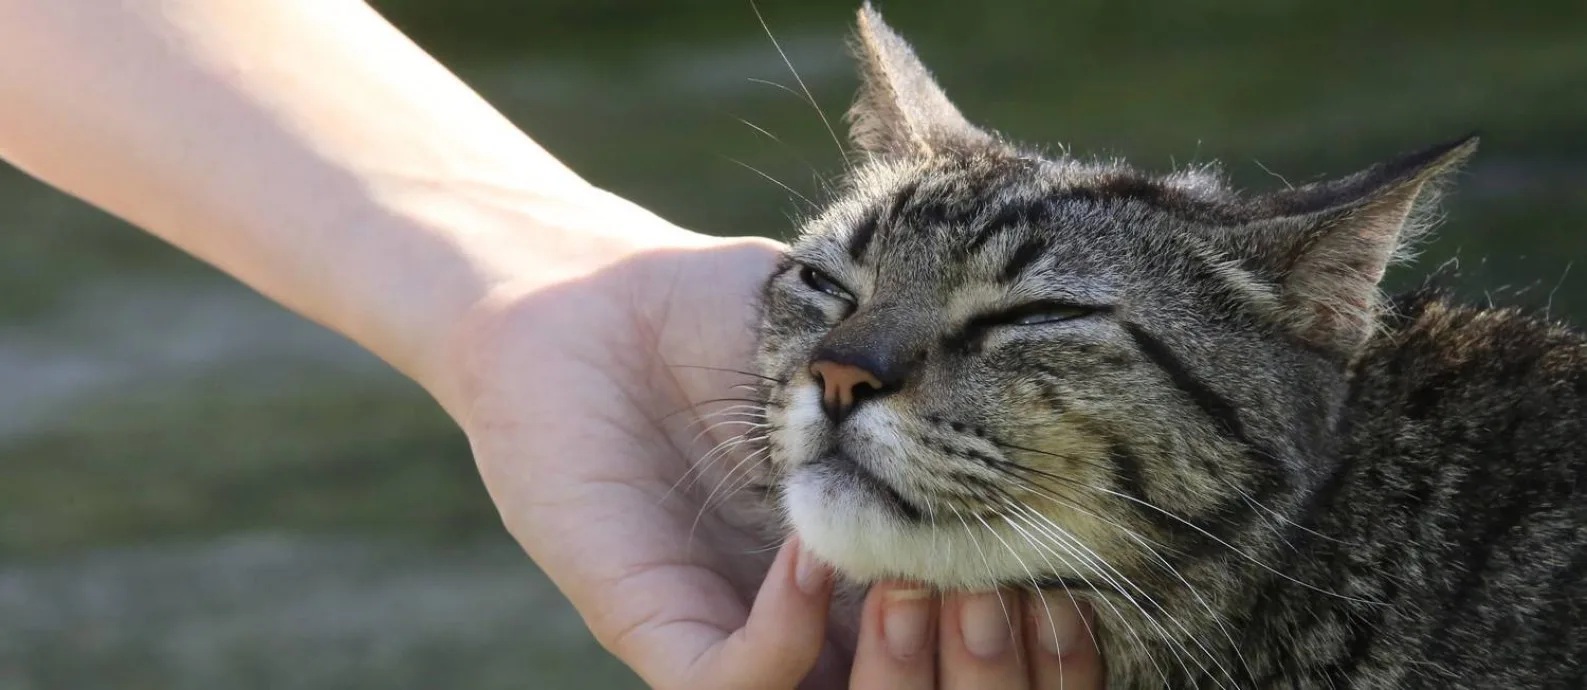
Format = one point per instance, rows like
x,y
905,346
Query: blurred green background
x,y
199,490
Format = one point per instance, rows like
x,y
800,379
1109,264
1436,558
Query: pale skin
x,y
313,152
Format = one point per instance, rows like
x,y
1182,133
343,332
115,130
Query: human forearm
x,y
304,146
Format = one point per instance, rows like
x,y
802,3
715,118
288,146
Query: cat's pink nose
x,y
843,385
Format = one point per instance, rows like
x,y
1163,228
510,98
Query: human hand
x,y
578,397
912,640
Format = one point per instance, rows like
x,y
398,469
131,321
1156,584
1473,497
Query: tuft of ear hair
x,y
900,110
1327,245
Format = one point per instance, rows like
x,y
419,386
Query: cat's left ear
x,y
1327,245
900,110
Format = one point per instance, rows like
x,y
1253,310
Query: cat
x,y
1188,406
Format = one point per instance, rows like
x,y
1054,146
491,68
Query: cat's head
x,y
993,367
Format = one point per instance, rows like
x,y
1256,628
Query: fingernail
x,y
906,620
984,624
1059,626
810,574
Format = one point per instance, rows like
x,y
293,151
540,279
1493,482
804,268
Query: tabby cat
x,y
1186,405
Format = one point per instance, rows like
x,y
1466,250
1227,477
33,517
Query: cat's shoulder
x,y
1477,360
1435,323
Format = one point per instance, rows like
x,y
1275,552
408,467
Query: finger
x,y
786,630
897,635
981,642
1059,645
645,601
831,669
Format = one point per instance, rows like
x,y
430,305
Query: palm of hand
x,y
580,398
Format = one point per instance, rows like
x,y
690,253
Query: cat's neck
x,y
1458,419
1444,400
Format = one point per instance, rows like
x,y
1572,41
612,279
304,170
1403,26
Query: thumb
x,y
784,635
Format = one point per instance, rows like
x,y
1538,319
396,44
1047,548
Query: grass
x,y
276,611
208,457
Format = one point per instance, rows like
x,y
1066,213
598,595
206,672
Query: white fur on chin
x,y
859,536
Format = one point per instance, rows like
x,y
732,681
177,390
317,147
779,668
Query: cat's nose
x,y
843,386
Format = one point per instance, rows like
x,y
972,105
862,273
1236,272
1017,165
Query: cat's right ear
x,y
900,110
1326,245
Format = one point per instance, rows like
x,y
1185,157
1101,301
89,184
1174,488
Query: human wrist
x,y
513,245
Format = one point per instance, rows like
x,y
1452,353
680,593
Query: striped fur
x,y
1183,404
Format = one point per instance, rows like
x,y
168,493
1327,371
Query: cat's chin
x,y
865,539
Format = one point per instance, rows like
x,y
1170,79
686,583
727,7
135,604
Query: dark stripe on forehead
x,y
1027,253
863,233
874,220
1222,413
1010,216
1127,187
901,199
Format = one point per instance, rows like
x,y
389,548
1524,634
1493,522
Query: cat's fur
x,y
1211,426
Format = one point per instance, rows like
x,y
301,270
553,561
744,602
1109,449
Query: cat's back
x,y
1464,498
1493,382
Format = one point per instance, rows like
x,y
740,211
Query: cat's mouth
x,y
841,467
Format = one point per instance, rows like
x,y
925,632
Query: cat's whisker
x,y
1035,590
728,370
751,434
1139,540
1015,553
706,505
1052,528
825,186
1046,548
773,546
771,179
1172,516
1239,552
692,406
1168,567
1548,308
1070,503
778,85
1115,578
749,461
1060,533
1279,518
1103,568
749,477
1083,462
715,421
811,99
721,450
697,469
748,424
1051,493
743,410
991,577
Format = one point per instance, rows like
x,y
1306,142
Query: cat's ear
x,y
1327,245
900,110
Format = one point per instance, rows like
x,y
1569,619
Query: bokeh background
x,y
200,490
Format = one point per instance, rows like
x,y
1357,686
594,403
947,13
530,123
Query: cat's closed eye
x,y
821,282
1034,314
